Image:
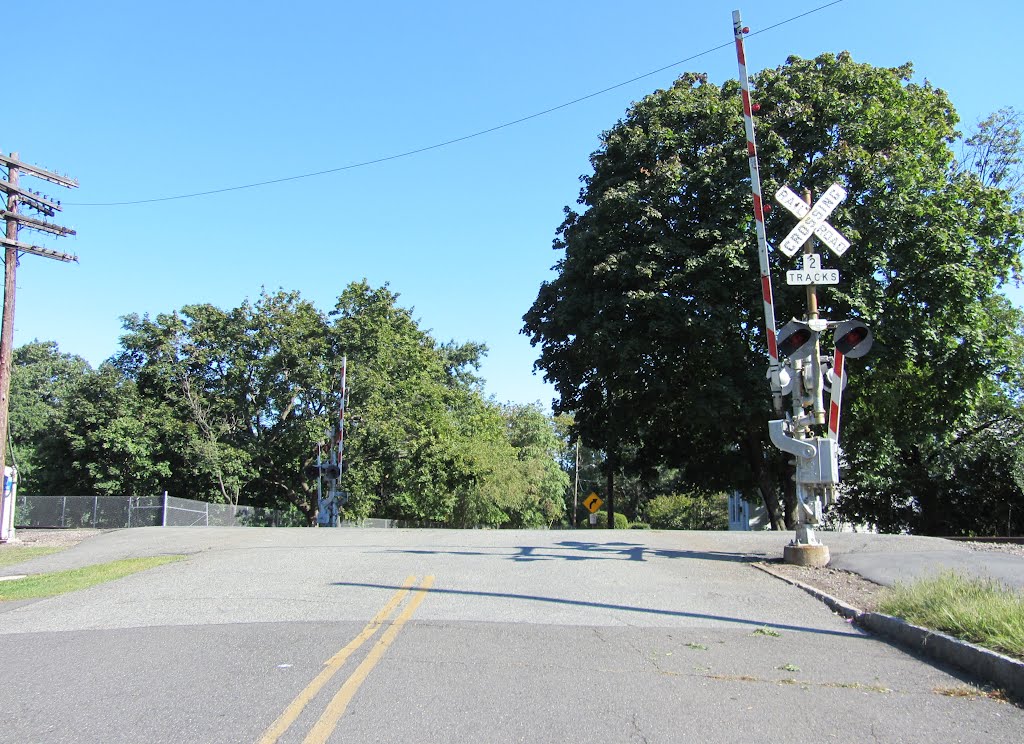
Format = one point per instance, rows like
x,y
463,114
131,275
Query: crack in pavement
x,y
637,732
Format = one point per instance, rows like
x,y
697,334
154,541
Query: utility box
x,y
823,467
7,503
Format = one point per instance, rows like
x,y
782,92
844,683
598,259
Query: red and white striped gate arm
x,y
836,398
762,241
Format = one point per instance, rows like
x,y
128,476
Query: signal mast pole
x,y
328,506
16,196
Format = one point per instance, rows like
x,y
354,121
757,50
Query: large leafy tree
x,y
532,433
652,330
44,384
245,389
407,397
114,439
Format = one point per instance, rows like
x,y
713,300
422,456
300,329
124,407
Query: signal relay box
x,y
823,467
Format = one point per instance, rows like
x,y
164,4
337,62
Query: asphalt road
x,y
480,636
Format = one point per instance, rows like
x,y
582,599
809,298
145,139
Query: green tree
x,y
696,511
412,404
652,330
994,152
44,383
531,432
112,440
247,391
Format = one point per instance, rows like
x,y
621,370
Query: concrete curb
x,y
980,663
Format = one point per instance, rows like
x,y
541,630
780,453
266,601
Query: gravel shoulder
x,y
854,589
849,587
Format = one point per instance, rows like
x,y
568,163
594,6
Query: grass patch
x,y
981,611
766,631
61,582
11,555
734,678
697,646
969,693
804,684
960,692
857,686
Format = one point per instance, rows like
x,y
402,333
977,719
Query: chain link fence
x,y
115,512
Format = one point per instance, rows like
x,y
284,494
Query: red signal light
x,y
796,340
853,339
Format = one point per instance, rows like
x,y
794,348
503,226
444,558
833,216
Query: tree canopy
x,y
652,332
229,405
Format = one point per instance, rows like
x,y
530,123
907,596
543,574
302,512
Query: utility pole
x,y
576,487
610,460
17,196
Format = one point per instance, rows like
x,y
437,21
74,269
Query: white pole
x,y
164,524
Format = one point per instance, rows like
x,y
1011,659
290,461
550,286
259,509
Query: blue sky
x,y
155,99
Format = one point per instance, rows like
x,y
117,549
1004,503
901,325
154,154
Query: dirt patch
x,y
851,588
51,538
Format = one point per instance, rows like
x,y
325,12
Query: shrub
x,y
698,511
621,523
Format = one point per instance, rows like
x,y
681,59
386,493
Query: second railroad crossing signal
x,y
812,220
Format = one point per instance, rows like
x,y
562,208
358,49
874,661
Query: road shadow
x,y
575,550
608,606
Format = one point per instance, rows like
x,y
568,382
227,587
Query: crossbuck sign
x,y
812,220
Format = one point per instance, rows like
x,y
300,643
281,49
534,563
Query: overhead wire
x,y
456,140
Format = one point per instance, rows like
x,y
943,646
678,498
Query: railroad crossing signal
x,y
812,220
593,502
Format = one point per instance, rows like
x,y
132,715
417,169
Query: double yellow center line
x,y
325,726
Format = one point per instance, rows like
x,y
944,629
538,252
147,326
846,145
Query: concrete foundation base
x,y
813,556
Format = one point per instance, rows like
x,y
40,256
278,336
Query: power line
x,y
456,140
